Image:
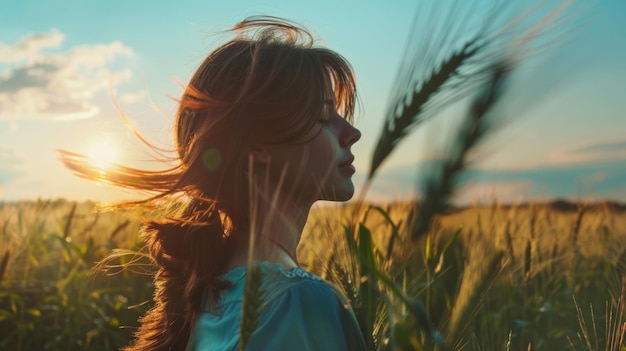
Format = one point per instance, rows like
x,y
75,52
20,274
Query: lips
x,y
347,162
347,167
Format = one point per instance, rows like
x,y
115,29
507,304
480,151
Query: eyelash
x,y
323,121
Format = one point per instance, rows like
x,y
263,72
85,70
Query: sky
x,y
65,64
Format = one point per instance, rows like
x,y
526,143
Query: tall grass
x,y
50,302
49,298
473,292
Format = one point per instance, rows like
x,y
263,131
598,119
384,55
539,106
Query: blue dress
x,y
301,312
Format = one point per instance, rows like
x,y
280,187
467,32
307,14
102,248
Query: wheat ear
x,y
441,184
252,302
397,126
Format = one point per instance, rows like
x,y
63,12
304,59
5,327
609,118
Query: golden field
x,y
517,277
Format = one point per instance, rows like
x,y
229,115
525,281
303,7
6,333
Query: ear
x,y
260,154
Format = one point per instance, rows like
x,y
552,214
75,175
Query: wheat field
x,y
517,277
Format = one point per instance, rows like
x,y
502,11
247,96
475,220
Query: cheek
x,y
323,151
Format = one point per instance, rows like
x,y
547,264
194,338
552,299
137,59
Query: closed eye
x,y
323,121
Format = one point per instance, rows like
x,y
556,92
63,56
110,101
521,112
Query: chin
x,y
344,193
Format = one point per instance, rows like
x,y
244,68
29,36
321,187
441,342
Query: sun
x,y
102,154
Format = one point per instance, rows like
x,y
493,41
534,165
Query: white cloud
x,y
61,85
29,46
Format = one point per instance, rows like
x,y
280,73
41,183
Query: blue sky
x,y
61,61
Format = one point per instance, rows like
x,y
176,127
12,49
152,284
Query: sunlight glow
x,y
102,154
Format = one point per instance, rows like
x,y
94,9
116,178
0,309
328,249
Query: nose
x,y
351,135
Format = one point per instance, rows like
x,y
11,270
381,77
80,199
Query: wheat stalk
x,y
398,126
528,260
252,302
555,252
615,328
118,229
584,338
577,224
441,184
448,54
4,264
478,276
347,285
68,223
509,240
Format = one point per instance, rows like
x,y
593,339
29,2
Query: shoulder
x,y
303,291
301,311
298,287
278,281
306,313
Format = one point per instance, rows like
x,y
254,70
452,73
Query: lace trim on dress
x,y
298,273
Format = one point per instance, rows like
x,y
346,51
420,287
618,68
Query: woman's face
x,y
320,166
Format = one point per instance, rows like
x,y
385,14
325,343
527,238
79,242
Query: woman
x,y
263,131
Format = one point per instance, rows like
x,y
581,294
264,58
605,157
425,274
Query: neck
x,y
278,230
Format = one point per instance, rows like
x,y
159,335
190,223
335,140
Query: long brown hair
x,y
266,85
